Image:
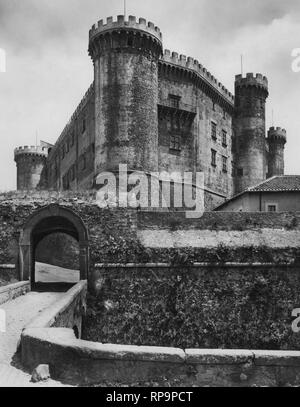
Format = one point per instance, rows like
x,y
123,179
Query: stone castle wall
x,y
127,115
161,111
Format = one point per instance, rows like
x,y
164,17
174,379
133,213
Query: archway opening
x,y
55,254
57,259
57,237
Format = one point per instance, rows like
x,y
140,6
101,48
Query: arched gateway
x,y
45,221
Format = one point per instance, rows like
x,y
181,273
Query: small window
x,y
71,173
83,161
213,158
83,126
72,139
214,106
224,164
175,141
213,131
240,172
271,207
224,138
67,146
174,101
66,184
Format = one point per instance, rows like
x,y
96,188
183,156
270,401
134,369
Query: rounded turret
x,y
258,81
276,142
132,26
30,162
125,56
277,135
249,125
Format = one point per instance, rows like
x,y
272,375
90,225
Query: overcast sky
x,y
48,68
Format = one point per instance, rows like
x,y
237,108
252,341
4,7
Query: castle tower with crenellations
x,y
249,126
276,143
157,111
125,56
30,162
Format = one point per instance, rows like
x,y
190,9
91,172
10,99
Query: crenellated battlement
x,y
74,116
31,150
82,103
192,64
258,80
277,134
121,23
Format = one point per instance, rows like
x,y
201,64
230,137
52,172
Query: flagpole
x,y
242,65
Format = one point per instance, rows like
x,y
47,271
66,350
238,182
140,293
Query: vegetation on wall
x,y
212,308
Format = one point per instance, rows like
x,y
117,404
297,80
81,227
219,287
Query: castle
x,y
157,111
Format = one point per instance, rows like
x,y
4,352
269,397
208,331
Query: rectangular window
x,y
83,126
66,184
83,161
224,164
71,173
213,131
175,141
224,138
67,146
271,207
213,158
72,139
174,101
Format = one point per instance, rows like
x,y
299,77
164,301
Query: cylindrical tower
x,y
30,163
250,130
125,56
276,142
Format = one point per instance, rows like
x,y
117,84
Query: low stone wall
x,y
49,340
80,362
8,274
12,291
219,221
67,312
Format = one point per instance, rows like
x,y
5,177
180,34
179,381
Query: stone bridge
x,y
35,312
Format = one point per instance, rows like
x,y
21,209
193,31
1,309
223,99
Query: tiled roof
x,y
278,184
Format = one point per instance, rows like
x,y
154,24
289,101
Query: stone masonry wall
x,y
120,236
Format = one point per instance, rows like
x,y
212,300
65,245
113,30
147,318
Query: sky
x,y
48,68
